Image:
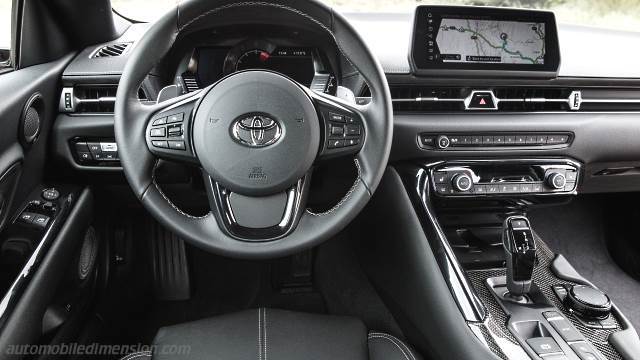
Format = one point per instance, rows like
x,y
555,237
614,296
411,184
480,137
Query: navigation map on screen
x,y
491,41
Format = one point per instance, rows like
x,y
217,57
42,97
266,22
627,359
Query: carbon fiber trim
x,y
544,278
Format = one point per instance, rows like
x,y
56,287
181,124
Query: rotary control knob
x,y
588,302
556,180
462,182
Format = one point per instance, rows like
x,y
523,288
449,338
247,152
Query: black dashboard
x,y
577,96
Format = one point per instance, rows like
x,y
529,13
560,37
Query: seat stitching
x,y
401,343
264,320
395,342
259,334
391,341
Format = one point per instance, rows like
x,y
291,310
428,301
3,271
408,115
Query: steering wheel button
x,y
160,144
337,130
336,117
174,130
353,130
177,145
333,144
158,132
352,142
160,121
175,118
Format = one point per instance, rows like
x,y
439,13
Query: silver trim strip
x,y
575,100
469,303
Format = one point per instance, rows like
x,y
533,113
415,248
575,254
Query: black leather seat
x,y
265,334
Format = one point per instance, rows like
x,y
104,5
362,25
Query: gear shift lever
x,y
520,251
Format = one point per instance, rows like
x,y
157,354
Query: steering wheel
x,y
256,135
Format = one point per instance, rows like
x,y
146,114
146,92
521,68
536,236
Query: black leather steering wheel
x,y
256,135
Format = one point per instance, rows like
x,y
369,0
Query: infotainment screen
x,y
478,39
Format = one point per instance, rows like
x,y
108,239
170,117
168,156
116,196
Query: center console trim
x,y
469,303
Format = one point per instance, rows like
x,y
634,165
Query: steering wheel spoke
x,y
258,218
342,126
168,134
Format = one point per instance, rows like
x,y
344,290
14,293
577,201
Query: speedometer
x,y
253,59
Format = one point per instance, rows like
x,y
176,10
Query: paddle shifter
x,y
520,250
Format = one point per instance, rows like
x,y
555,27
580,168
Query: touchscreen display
x,y
484,39
491,41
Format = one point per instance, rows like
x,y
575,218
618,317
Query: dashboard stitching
x,y
176,208
346,196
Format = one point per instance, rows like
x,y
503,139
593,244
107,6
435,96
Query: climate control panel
x,y
505,178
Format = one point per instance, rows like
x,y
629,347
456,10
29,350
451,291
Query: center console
x,y
529,302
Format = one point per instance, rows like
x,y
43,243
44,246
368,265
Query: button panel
x,y
168,134
488,179
343,132
464,141
37,214
95,152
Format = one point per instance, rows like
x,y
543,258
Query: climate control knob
x,y
556,180
462,182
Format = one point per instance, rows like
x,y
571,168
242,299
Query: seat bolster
x,y
263,334
383,346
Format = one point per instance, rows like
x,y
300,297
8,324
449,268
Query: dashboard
x,y
528,78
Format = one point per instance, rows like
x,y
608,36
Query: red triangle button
x,y
482,102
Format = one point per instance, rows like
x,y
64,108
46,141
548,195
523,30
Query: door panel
x,y
18,148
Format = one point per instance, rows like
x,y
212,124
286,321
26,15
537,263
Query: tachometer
x,y
253,59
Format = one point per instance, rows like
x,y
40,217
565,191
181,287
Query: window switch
x,y
41,221
26,217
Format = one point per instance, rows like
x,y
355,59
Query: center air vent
x,y
111,50
513,99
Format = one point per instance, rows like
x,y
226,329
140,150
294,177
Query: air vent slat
x,y
111,50
190,82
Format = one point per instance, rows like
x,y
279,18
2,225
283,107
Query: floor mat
x,y
577,232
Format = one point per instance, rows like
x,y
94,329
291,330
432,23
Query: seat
x,y
268,334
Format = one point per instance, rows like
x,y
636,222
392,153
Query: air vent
x,y
190,82
513,99
92,99
111,50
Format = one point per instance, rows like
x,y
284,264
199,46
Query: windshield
x,y
614,14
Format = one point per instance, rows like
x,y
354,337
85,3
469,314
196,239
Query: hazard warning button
x,y
481,100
